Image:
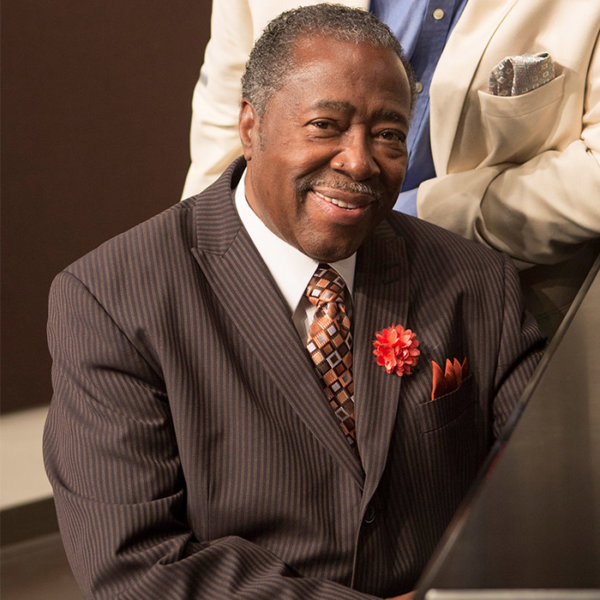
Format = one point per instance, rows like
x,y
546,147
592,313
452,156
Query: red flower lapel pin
x,y
396,349
450,379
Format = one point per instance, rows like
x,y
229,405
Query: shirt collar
x,y
290,268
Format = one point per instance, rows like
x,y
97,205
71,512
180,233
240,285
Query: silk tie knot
x,y
326,290
326,286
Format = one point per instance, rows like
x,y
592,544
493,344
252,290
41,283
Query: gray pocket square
x,y
516,75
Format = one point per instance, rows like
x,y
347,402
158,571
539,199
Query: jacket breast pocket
x,y
448,409
452,444
516,128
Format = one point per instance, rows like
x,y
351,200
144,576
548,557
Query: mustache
x,y
346,186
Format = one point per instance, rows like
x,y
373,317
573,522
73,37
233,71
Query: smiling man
x,y
248,398
327,155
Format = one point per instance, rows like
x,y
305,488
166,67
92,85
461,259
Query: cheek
x,y
393,171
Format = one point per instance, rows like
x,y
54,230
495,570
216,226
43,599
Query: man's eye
x,y
324,128
393,136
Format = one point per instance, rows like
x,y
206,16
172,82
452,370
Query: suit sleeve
x,y
112,457
214,137
539,211
520,349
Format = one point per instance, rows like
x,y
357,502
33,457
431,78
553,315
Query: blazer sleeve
x,y
214,137
539,211
111,455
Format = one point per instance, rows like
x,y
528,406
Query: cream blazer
x,y
520,174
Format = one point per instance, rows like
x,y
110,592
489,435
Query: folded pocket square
x,y
516,75
448,380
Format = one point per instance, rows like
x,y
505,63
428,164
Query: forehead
x,y
345,74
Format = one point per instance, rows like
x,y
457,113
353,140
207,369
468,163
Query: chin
x,y
331,255
330,245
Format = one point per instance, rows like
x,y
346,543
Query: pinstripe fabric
x,y
182,469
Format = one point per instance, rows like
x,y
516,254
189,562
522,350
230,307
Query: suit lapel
x,y
381,293
455,70
241,282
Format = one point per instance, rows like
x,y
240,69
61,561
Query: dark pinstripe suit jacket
x,y
189,463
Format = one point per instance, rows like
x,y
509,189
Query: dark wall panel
x,y
96,101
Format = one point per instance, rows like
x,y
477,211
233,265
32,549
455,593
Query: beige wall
x,y
95,116
22,476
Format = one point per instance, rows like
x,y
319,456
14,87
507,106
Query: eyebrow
x,y
381,115
391,115
333,104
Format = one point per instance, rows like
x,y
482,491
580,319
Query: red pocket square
x,y
448,381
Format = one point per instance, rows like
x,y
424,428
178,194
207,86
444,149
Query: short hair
x,y
271,60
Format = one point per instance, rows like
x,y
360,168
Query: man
x,y
520,174
220,426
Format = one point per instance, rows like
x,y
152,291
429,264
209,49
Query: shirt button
x,y
418,87
369,515
438,14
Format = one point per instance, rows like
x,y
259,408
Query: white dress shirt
x,y
290,268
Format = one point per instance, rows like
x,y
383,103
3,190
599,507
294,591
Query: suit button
x,y
369,515
438,14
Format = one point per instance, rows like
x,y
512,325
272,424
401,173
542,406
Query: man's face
x,y
327,159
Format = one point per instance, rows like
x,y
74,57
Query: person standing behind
x,y
520,174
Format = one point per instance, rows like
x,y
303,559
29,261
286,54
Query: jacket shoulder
x,y
428,240
164,239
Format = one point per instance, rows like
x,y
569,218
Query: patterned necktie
x,y
329,343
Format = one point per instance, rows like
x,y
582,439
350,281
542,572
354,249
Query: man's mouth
x,y
336,201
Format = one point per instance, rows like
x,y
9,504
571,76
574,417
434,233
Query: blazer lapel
x,y
455,71
241,282
381,294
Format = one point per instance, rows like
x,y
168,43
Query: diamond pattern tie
x,y
329,344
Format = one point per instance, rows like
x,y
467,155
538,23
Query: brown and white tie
x,y
329,344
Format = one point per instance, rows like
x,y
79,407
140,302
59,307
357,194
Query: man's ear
x,y
248,124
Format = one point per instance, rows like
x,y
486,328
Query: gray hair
x,y
271,61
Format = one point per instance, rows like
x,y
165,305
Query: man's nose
x,y
355,158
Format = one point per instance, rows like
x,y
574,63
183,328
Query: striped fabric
x,y
182,468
